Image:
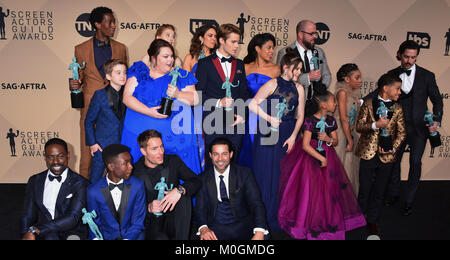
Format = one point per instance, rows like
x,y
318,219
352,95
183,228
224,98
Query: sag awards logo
x,y
277,26
84,27
442,151
367,87
27,25
423,39
28,143
323,33
194,24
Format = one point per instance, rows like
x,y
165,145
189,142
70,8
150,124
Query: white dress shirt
x,y
51,191
226,67
116,193
408,81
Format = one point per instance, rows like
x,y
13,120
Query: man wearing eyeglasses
x,y
305,45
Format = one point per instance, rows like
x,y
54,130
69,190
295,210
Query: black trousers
x,y
417,145
172,225
373,180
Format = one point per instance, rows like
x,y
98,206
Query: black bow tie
x,y
58,178
223,59
112,186
408,72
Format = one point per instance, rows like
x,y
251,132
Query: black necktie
x,y
307,67
223,190
223,59
112,186
408,72
58,178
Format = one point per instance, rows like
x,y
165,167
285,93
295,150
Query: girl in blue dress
x,y
145,88
283,107
259,69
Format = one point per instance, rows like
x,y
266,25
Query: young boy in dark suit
x,y
104,119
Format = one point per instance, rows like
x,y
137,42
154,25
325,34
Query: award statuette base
x,y
76,98
166,107
435,141
385,142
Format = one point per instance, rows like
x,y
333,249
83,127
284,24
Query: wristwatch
x,y
33,230
181,190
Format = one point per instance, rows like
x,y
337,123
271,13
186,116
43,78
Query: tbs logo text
x,y
423,39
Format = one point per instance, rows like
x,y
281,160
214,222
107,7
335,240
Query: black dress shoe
x,y
390,201
374,233
407,211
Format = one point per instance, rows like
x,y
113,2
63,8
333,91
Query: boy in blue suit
x,y
104,119
118,198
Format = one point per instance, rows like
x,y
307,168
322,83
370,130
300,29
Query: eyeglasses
x,y
312,34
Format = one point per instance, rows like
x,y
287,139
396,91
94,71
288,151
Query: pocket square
x,y
69,196
239,72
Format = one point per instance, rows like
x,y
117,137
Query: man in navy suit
x,y
418,86
54,199
118,198
229,205
104,120
213,71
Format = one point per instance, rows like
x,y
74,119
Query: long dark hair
x,y
196,44
258,40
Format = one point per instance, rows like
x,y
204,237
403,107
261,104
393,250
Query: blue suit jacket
x,y
131,213
71,200
245,198
101,124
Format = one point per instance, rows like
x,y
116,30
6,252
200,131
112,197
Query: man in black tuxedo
x,y
213,71
229,205
175,223
54,199
418,85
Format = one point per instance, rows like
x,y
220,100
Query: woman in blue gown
x,y
259,70
143,93
282,109
203,43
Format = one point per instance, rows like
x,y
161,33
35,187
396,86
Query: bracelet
x,y
330,144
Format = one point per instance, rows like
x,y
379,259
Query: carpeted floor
x,y
430,221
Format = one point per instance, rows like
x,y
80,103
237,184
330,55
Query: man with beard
x,y
305,45
54,199
418,86
95,52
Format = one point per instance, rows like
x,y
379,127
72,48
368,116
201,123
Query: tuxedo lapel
x,y
124,200
219,69
233,70
40,185
212,189
64,191
232,182
109,200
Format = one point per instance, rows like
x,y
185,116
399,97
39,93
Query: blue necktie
x,y
223,190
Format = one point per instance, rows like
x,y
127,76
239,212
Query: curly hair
x,y
345,71
196,45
